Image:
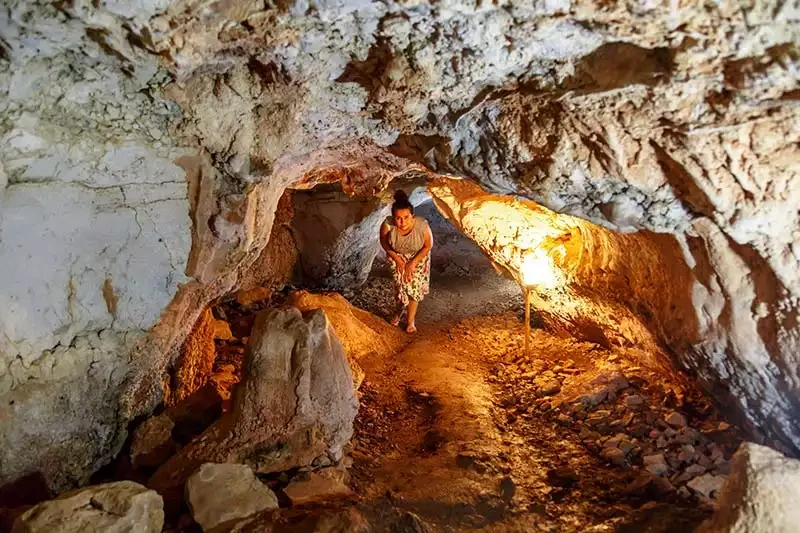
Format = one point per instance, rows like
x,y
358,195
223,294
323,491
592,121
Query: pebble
x,y
655,464
695,470
706,485
615,455
676,419
687,453
634,400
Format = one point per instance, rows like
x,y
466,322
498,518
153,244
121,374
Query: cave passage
x,y
457,427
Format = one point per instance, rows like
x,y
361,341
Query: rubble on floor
x,y
631,417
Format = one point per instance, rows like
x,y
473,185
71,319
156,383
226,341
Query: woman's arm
x,y
387,247
420,255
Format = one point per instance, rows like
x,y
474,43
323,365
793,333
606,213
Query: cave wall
x,y
637,290
336,236
146,147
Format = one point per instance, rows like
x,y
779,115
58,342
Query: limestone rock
x,y
152,442
123,506
676,419
656,464
706,485
196,359
362,334
220,493
761,493
296,402
318,485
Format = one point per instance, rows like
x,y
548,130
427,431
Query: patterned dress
x,y
408,246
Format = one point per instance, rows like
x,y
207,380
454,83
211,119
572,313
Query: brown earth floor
x,y
449,431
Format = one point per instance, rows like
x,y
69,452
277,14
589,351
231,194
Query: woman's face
x,y
403,219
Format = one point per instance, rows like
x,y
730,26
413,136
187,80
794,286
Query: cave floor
x,y
454,432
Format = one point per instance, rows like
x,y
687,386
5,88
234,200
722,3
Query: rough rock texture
x,y
295,404
219,493
274,266
152,442
94,232
610,288
119,507
336,236
318,485
678,118
196,360
347,520
361,333
761,493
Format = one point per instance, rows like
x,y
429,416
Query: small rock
x,y
715,452
695,470
325,484
596,419
676,419
564,419
587,433
634,400
655,464
120,506
706,485
218,493
683,492
687,435
661,442
615,455
662,485
687,453
595,398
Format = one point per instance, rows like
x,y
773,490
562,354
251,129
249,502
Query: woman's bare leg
x,y
412,315
395,321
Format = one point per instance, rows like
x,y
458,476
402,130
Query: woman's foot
x,y
411,328
395,321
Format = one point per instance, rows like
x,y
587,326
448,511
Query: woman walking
x,y
407,240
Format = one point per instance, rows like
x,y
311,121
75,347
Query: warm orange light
x,y
538,270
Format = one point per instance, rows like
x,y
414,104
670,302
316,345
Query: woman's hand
x,y
408,273
399,262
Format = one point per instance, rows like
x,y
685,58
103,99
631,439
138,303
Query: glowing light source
x,y
538,270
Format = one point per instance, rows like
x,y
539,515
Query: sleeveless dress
x,y
408,246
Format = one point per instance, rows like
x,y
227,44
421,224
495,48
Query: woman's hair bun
x,y
400,196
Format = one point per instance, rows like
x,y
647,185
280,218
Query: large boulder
x,y
761,494
220,493
121,507
295,405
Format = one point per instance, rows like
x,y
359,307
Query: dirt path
x,y
446,437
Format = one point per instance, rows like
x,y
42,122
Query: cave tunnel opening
x,y
460,398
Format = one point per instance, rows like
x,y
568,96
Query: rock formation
x,y
145,148
295,405
121,506
362,334
760,494
222,493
